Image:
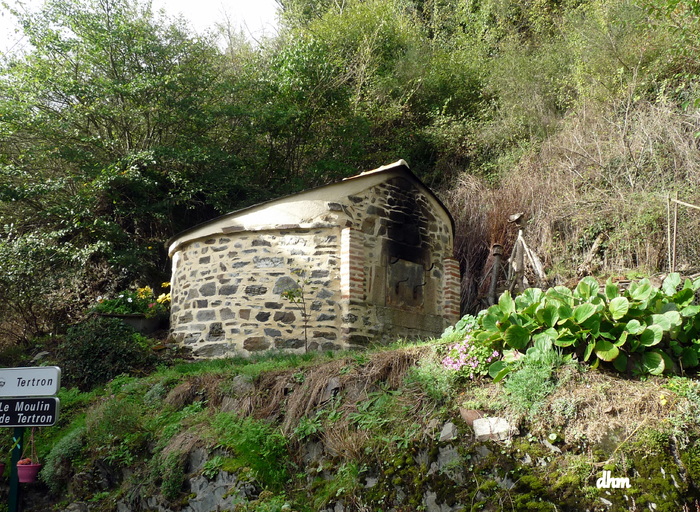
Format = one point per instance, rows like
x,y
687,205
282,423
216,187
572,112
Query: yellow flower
x,y
662,400
144,292
163,298
165,285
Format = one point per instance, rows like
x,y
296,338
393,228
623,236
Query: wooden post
x,y
517,264
497,252
668,231
675,230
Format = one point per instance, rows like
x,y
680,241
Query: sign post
x,y
26,400
18,439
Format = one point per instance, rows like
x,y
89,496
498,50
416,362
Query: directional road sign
x,y
28,412
33,381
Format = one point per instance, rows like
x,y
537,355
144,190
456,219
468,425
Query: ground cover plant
x,y
375,421
642,329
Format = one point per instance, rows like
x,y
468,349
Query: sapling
x,y
297,297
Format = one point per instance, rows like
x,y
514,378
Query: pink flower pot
x,y
27,472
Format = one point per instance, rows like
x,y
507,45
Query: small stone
x,y
469,415
332,388
290,343
335,207
256,343
492,428
551,447
40,356
206,315
229,289
482,452
255,290
448,433
263,316
370,482
268,262
216,332
284,317
505,483
284,284
78,506
324,293
208,289
214,350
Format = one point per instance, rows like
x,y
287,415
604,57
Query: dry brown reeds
x,y
603,406
594,194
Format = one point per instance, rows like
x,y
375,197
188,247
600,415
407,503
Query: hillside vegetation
x,y
120,127
589,385
387,429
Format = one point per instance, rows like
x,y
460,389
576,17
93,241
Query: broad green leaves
x,y
619,306
642,330
606,350
517,337
653,362
651,336
506,304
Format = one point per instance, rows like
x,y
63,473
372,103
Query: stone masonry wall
x,y
228,292
377,266
394,223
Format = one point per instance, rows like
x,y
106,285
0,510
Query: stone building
x,y
372,257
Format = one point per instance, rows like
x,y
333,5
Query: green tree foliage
x,y
108,142
118,128
414,91
112,111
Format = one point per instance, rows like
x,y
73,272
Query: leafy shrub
x,y
533,379
99,349
465,325
115,431
345,485
212,467
432,377
56,471
469,358
464,356
640,330
171,468
308,427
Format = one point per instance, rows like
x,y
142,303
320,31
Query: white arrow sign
x,y
33,381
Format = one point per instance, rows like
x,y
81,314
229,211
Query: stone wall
x,y
227,292
375,267
401,280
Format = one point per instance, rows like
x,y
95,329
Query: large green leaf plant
x,y
640,330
